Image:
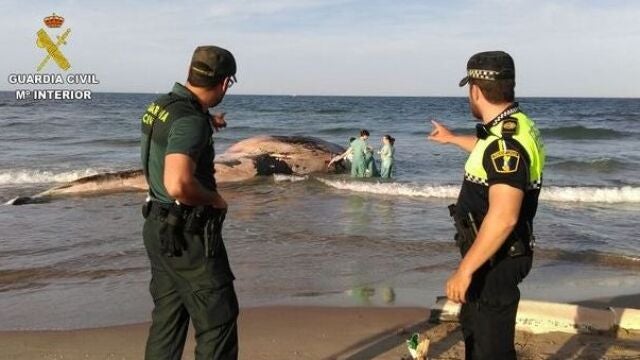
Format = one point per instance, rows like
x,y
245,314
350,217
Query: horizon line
x,y
356,95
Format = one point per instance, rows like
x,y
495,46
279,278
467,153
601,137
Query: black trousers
x,y
488,317
190,287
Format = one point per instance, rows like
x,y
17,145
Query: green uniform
x,y
191,135
370,161
359,161
198,283
386,165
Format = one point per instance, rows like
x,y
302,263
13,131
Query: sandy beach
x,y
315,333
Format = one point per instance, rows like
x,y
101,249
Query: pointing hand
x,y
218,122
440,133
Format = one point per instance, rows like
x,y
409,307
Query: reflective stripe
x,y
502,145
527,135
475,179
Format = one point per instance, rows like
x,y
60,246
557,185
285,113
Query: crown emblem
x,y
54,21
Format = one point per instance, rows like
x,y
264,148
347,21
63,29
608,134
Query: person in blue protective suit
x,y
387,154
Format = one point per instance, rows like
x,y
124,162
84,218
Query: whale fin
x,y
20,200
24,200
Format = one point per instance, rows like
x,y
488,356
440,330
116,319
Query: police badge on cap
x,y
491,66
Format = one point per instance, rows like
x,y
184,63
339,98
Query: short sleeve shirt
x,y
505,162
186,130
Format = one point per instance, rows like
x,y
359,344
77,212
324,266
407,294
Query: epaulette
x,y
509,127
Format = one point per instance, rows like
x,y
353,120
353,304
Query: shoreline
x,y
314,332
89,306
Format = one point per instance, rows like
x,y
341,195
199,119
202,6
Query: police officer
x,y
190,273
495,209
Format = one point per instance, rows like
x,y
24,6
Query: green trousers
x,y
358,166
193,287
386,169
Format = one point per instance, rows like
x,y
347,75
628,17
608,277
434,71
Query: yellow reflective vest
x,y
526,134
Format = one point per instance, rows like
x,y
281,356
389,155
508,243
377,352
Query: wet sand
x,y
315,333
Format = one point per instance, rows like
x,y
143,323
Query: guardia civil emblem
x,y
51,48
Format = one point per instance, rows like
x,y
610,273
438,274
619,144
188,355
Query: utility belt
x,y
178,220
467,231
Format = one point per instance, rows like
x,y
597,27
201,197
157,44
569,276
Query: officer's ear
x,y
474,92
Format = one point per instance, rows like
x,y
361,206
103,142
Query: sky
x,y
569,48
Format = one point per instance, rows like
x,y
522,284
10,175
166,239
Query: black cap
x,y
210,63
490,65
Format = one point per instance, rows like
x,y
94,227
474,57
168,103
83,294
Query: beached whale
x,y
244,160
268,155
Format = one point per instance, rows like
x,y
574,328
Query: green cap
x,y
210,63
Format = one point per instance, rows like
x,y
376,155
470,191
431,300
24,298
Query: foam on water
x,y
402,189
578,194
289,178
15,177
584,194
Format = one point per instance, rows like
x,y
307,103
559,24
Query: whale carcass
x,y
257,156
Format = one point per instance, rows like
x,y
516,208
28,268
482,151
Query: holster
x,y
181,220
204,221
466,229
196,220
172,219
517,245
146,209
171,233
213,233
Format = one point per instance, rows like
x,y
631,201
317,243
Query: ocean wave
x,y
401,189
599,165
471,130
330,111
339,130
288,178
14,177
589,194
248,128
590,257
33,278
18,123
576,194
108,142
579,132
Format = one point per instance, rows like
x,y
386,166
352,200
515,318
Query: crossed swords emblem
x,y
53,49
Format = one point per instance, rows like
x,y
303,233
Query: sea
x,y
325,240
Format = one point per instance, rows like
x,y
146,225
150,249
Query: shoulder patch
x,y
509,127
505,161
